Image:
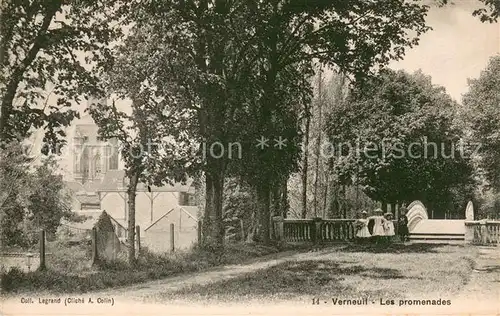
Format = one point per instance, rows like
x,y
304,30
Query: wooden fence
x,y
313,230
482,232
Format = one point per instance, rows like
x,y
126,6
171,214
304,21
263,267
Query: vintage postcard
x,y
249,157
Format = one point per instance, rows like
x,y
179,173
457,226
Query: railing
x,y
482,232
313,230
337,229
298,230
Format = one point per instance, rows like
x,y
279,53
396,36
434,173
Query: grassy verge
x,y
354,272
69,269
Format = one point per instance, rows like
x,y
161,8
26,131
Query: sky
x,y
458,47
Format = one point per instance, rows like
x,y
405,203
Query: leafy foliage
x,y
396,136
242,67
482,113
33,197
152,137
56,46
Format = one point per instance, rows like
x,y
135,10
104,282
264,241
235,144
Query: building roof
x,y
176,187
114,180
190,211
74,186
88,199
92,186
93,217
81,193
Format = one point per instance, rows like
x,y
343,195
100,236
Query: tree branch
x,y
17,74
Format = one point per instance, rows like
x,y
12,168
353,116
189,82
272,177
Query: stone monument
x,y
469,212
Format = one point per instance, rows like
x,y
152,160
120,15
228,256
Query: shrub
x,y
11,278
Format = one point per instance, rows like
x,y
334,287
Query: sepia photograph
x,y
249,157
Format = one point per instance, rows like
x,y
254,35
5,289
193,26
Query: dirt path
x,y
484,284
479,292
148,291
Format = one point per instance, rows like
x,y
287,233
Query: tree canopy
x,y
396,135
51,50
482,109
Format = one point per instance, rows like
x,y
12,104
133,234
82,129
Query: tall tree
x,y
334,34
39,46
317,151
151,134
403,142
483,114
305,159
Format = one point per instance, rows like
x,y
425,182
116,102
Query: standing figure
x,y
389,227
378,226
403,226
362,232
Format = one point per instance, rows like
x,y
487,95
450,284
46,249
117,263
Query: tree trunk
x,y
263,196
200,198
252,231
318,142
279,198
213,227
344,201
132,189
325,198
384,207
284,198
18,72
305,166
275,197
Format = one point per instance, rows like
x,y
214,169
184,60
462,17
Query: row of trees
x,y
390,140
227,71
199,72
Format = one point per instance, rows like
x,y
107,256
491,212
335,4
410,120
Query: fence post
x,y
469,232
319,231
172,236
316,225
199,232
42,266
138,238
484,232
313,231
95,255
278,227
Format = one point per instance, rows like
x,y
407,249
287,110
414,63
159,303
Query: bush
x,y
11,278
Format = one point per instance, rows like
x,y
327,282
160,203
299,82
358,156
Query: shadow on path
x,y
394,248
292,279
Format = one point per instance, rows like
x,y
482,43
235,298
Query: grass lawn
x,y
69,268
418,271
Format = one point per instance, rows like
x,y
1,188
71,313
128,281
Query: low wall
x,y
482,232
313,230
